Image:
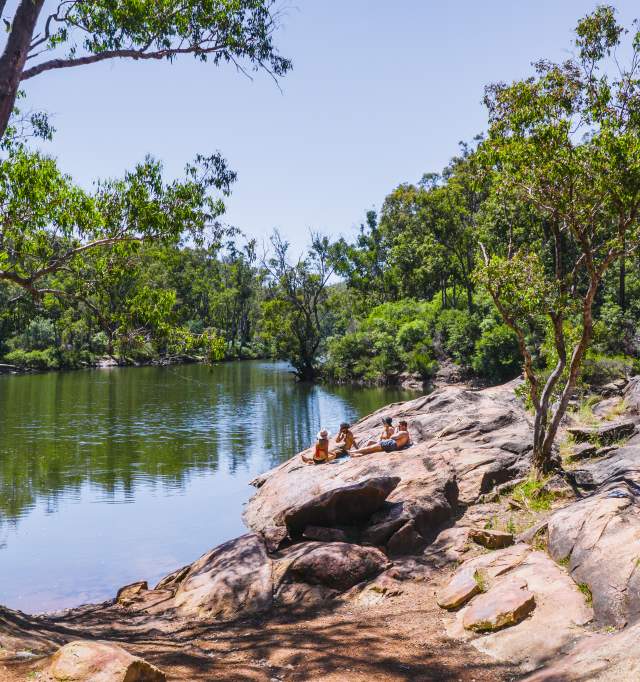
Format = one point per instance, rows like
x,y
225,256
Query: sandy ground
x,y
398,638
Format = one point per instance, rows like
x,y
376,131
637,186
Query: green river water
x,y
112,476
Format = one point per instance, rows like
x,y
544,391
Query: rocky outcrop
x,y
521,591
231,580
87,661
597,658
464,443
599,538
605,433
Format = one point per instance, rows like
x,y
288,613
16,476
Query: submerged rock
x,y
88,661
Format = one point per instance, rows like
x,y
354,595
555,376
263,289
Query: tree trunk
x,y
14,57
622,294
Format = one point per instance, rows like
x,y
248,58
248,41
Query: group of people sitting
x,y
391,439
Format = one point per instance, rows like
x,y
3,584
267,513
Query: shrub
x,y
497,356
35,359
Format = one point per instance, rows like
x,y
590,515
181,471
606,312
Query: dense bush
x,y
410,336
497,356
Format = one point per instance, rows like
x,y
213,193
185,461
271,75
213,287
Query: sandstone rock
x,y
88,661
501,607
600,537
558,487
491,539
462,587
322,534
530,534
233,579
465,443
606,433
620,465
130,592
612,657
336,565
527,643
584,451
632,396
274,536
171,581
347,505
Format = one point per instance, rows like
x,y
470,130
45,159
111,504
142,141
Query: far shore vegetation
x,y
519,256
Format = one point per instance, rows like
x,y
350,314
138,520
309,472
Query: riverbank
x,y
439,562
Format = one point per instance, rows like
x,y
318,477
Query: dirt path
x,y
399,638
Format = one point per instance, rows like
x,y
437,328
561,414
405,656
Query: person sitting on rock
x,y
321,454
345,440
387,431
400,439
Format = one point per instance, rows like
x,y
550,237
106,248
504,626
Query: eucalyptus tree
x,y
564,155
295,314
44,36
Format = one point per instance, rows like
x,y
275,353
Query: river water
x,y
112,476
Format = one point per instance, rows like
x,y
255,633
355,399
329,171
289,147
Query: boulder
x,y
606,433
599,537
336,565
231,580
491,539
347,505
504,605
89,661
463,586
527,643
610,657
129,593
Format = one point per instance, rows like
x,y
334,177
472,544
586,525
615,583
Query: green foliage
x,y
496,355
530,495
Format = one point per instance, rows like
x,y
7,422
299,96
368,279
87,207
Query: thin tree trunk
x,y
622,293
14,56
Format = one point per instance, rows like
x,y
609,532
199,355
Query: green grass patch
x,y
586,591
530,495
584,413
481,580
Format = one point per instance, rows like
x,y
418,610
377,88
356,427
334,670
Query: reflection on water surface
x,y
111,476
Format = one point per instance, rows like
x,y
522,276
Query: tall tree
x,y
295,315
565,144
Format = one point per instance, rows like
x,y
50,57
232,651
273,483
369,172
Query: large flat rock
x,y
599,537
464,443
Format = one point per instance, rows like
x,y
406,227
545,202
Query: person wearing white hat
x,y
321,454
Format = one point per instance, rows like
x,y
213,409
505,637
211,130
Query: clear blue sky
x,y
381,92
